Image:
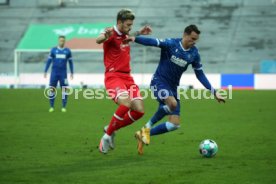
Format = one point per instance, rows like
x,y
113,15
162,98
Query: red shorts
x,y
117,84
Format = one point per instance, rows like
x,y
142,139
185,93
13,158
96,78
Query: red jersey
x,y
116,54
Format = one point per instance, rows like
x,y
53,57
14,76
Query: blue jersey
x,y
59,57
174,60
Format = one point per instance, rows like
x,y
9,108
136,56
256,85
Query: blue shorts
x,y
61,78
162,91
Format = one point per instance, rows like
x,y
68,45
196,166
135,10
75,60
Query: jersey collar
x,y
180,43
60,48
117,30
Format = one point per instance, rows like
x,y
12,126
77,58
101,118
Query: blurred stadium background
x,y
237,46
237,43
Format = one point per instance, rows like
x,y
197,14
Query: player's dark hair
x,y
125,14
61,36
191,28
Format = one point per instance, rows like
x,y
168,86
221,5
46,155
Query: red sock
x,y
130,117
117,119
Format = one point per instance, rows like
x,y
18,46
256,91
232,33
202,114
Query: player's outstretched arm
x,y
105,35
143,41
205,82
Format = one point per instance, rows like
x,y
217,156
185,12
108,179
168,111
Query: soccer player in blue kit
x,y
176,55
59,56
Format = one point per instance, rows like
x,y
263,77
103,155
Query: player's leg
x,y
115,123
167,104
64,91
117,120
165,97
136,110
143,135
165,107
172,123
117,90
52,94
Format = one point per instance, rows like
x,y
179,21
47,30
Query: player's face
x,y
61,42
190,39
125,26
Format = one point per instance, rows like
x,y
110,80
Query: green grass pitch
x,y
38,147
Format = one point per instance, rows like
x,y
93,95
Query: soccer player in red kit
x,y
118,81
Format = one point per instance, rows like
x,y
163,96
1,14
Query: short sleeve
x,y
197,61
51,54
163,43
110,38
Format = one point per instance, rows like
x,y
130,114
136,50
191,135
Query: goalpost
x,y
18,58
40,38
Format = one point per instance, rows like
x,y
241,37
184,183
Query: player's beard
x,y
127,32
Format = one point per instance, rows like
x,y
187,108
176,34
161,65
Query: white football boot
x,y
112,140
105,144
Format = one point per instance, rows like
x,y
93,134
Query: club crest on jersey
x,y
123,46
178,61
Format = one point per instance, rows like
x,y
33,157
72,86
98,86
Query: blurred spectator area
x,y
237,35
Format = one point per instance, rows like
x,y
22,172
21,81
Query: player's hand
x,y
72,76
219,98
45,75
146,30
108,32
128,39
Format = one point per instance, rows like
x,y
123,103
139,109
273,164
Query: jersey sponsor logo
x,y
60,56
64,31
178,61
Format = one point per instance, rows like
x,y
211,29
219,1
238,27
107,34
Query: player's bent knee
x,y
124,100
137,105
139,108
173,105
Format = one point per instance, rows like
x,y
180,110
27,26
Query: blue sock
x,y
162,111
163,128
52,97
64,99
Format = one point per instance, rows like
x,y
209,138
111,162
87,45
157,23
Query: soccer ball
x,y
208,148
